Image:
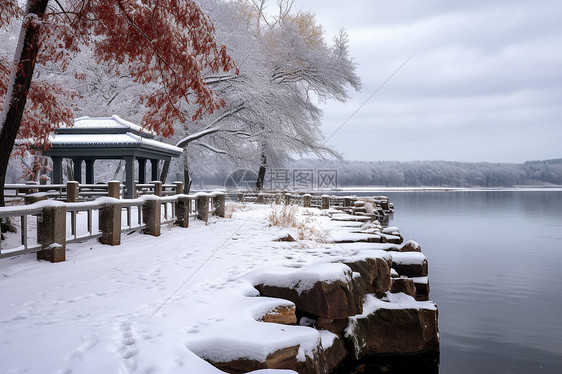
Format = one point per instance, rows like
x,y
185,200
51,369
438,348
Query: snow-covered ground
x,y
145,306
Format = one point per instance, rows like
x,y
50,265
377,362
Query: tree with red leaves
x,y
167,43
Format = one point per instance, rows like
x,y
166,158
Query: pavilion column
x,y
77,169
142,170
154,169
130,177
90,171
57,169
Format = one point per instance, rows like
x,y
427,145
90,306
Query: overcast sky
x,y
484,82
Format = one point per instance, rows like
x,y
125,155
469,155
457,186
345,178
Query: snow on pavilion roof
x,y
106,134
113,124
113,121
115,140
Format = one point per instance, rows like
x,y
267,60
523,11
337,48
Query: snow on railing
x,y
47,226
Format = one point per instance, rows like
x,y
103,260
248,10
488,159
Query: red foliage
x,y
170,43
48,108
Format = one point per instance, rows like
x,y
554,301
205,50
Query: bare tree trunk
x,y
261,172
20,80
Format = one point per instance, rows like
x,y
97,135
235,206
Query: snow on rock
x,y
349,217
302,279
408,258
395,324
410,246
410,264
323,290
391,230
350,237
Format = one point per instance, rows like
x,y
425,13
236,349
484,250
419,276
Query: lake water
x,y
495,270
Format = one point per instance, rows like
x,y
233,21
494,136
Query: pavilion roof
x,y
108,137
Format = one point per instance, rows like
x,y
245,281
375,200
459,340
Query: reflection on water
x,y
495,269
419,364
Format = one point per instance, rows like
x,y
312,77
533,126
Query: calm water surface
x,y
495,269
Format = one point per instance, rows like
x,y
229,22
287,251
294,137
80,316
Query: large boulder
x,y
410,246
321,291
404,285
285,358
410,264
399,325
374,271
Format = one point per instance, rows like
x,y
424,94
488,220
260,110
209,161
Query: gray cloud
x,y
485,83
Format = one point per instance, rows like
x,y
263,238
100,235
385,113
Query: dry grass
x,y
232,207
287,216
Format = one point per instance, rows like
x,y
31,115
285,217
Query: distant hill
x,y
417,173
439,173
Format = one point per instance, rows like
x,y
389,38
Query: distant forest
x,y
424,173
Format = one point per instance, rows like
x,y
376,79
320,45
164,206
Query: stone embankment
x,y
372,302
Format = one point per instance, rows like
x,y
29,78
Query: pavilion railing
x,y
72,191
45,227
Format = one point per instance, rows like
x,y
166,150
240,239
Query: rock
x,y
321,291
285,236
335,326
394,239
410,264
401,326
391,230
410,246
422,288
374,271
284,314
405,285
334,349
285,358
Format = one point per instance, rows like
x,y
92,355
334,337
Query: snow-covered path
x,y
135,307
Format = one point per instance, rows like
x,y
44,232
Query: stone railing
x,y
349,204
46,227
73,191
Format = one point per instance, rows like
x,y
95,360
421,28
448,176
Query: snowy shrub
x,y
287,216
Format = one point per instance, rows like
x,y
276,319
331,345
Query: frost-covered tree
x,y
302,67
167,43
285,67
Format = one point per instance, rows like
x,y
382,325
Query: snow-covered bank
x,y
149,304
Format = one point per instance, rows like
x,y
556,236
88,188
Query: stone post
x,y
31,190
307,200
72,191
220,204
325,202
179,187
203,207
51,234
261,198
114,189
110,223
287,199
157,188
182,211
151,216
